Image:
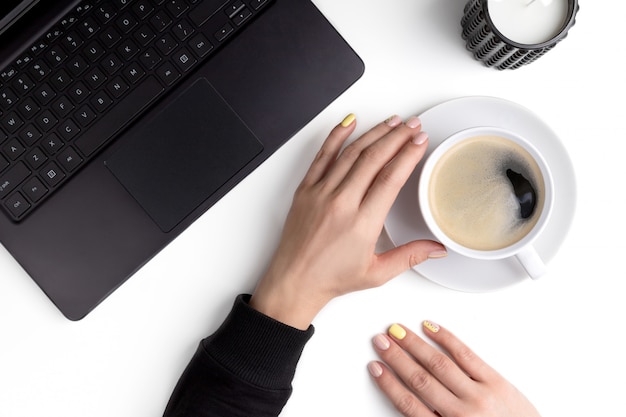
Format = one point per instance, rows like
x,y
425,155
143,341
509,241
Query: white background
x,y
558,339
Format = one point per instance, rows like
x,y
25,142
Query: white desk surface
x,y
558,339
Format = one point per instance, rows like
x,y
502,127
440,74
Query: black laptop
x,y
122,121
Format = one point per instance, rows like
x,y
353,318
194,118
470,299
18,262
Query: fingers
x,y
467,360
403,399
427,372
327,154
395,261
388,182
357,173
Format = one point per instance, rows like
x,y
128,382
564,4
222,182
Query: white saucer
x,y
405,223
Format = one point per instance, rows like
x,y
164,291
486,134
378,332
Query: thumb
x,y
395,261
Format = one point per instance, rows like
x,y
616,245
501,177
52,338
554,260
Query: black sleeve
x,y
244,369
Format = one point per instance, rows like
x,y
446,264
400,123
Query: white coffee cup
x,y
469,203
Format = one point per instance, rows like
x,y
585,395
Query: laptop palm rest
x,y
184,154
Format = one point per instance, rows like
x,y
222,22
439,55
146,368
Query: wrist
x,y
286,305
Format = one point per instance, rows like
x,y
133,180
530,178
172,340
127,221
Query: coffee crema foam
x,y
472,199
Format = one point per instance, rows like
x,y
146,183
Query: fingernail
x,y
397,331
375,369
436,254
381,342
414,122
433,327
420,138
393,121
349,119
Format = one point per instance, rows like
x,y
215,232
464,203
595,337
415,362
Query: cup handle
x,y
532,263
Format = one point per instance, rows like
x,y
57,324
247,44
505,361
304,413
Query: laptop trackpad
x,y
184,154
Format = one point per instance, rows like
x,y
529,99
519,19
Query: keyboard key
x,y
126,22
52,174
22,84
166,44
7,98
35,158
101,101
241,17
68,129
51,143
79,92
56,55
223,33
30,135
150,58
12,122
95,78
88,27
160,21
105,13
72,41
184,60
62,106
143,8
84,115
61,80
34,189
234,8
205,10
200,45
17,205
117,87
39,70
69,159
176,7
13,149
28,108
93,51
110,37
134,73
46,121
44,94
182,30
144,35
168,73
112,64
12,177
77,65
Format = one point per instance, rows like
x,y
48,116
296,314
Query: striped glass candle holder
x,y
508,34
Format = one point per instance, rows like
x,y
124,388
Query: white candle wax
x,y
528,21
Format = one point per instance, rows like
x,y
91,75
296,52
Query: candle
x,y
528,21
507,34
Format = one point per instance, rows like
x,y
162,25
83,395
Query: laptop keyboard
x,y
95,71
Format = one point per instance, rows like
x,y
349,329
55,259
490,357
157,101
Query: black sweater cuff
x,y
257,348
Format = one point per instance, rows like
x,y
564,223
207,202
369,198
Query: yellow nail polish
x,y
433,327
397,331
348,120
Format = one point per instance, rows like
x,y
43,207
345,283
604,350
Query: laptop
x,y
123,121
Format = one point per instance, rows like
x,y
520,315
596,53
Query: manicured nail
x,y
348,120
381,342
420,138
393,121
375,369
414,122
436,254
433,327
397,331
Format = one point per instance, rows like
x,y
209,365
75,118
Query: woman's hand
x,y
328,243
427,383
